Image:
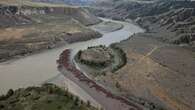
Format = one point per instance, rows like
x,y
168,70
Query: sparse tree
x,y
76,101
117,85
88,103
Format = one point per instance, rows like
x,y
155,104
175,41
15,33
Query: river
x,y
35,69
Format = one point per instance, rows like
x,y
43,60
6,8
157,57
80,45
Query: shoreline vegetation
x,y
165,52
155,63
66,67
117,59
116,87
47,96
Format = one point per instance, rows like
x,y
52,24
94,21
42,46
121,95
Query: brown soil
x,y
158,72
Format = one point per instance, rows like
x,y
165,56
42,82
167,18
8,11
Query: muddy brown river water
x,y
36,69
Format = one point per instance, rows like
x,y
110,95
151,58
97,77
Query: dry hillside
x,y
157,72
37,26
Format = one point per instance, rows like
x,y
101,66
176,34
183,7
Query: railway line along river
x,y
36,69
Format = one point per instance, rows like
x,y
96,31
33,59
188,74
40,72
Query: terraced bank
x,y
33,28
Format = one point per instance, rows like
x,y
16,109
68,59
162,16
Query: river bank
x,y
106,99
35,27
173,21
6,55
38,68
156,72
159,72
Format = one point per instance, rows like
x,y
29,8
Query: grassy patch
x,y
47,97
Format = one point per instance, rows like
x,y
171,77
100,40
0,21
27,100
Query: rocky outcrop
x,y
99,56
14,15
126,9
179,23
182,22
9,16
80,14
173,20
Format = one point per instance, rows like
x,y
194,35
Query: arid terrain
x,y
35,27
160,62
143,61
155,71
173,20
